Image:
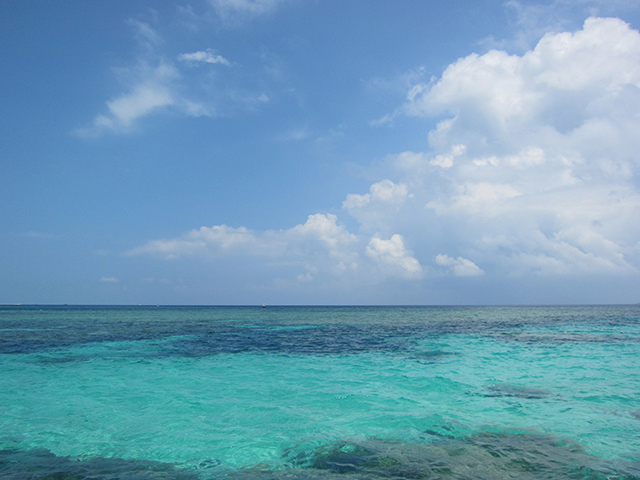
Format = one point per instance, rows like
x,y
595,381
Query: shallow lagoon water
x,y
306,392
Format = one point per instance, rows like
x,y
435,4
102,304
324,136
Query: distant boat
x,y
264,306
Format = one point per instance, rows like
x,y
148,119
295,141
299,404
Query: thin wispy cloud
x,y
203,56
153,93
145,35
238,10
156,84
109,280
150,88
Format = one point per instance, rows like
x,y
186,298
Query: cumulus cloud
x,y
323,228
533,167
461,267
392,255
381,192
375,209
536,154
446,160
319,244
568,79
210,241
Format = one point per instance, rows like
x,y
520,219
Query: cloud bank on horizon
x,y
532,170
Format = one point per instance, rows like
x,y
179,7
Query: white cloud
x,y
564,81
531,20
150,87
304,278
160,82
533,170
382,192
203,56
209,241
414,162
126,109
480,198
538,150
446,161
319,244
154,92
534,165
324,228
461,267
374,210
394,257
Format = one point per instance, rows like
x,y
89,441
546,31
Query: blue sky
x,y
320,152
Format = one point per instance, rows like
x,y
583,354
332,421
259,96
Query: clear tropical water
x,y
319,392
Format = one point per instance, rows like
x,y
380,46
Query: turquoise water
x,y
316,392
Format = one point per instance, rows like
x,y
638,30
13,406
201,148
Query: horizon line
x,y
264,305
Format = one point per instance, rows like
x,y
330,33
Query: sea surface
x,y
349,393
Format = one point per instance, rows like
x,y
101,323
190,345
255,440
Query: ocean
x,y
193,393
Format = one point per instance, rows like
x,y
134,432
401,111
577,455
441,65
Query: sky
x,y
241,152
